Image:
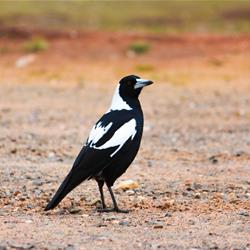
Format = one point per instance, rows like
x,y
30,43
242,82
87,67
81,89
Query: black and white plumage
x,y
112,143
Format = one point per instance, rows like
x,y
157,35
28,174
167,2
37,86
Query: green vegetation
x,y
139,47
155,16
144,68
36,45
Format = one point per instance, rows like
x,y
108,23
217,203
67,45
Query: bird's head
x,y
131,86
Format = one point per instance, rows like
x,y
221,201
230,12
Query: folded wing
x,y
105,141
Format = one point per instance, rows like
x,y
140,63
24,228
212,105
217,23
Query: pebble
x,y
191,222
124,223
158,226
51,155
130,192
239,153
22,246
128,184
197,195
28,221
13,151
38,182
101,225
244,213
16,193
74,210
69,247
95,202
168,214
213,159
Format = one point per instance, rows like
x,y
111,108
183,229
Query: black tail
x,y
71,181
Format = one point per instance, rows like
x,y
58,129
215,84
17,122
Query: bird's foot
x,y
108,210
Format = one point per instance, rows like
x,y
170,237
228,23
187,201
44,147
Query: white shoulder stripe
x,y
126,131
97,132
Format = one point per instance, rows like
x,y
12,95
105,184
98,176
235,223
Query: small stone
x,y
247,195
150,164
17,192
232,198
101,225
168,214
22,198
85,215
124,223
216,195
28,221
69,247
128,184
115,221
130,192
95,202
158,226
22,246
191,222
244,213
111,218
51,155
239,153
38,182
197,195
213,159
13,151
75,210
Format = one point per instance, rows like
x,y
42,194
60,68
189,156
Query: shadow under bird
x,y
112,144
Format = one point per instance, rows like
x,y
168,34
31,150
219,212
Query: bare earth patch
x,y
193,166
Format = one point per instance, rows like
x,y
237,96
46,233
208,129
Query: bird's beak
x,y
140,83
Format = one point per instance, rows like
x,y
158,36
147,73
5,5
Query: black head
x,y
131,86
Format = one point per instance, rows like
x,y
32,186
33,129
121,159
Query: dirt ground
x,y
193,167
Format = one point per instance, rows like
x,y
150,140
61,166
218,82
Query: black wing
x,y
92,160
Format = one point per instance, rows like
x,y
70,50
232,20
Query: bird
x,y
111,146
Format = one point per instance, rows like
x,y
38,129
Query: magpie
x,y
111,146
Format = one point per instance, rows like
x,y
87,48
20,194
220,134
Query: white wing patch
x,y
117,102
97,132
126,131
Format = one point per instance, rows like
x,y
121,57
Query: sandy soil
x,y
193,166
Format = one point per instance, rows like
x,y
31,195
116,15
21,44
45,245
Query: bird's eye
x,y
129,83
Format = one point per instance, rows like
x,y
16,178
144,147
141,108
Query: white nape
x,y
97,132
117,102
119,138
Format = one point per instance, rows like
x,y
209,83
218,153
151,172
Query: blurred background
x,y
125,36
152,16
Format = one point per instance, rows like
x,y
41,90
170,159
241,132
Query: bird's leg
x,y
100,185
115,208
